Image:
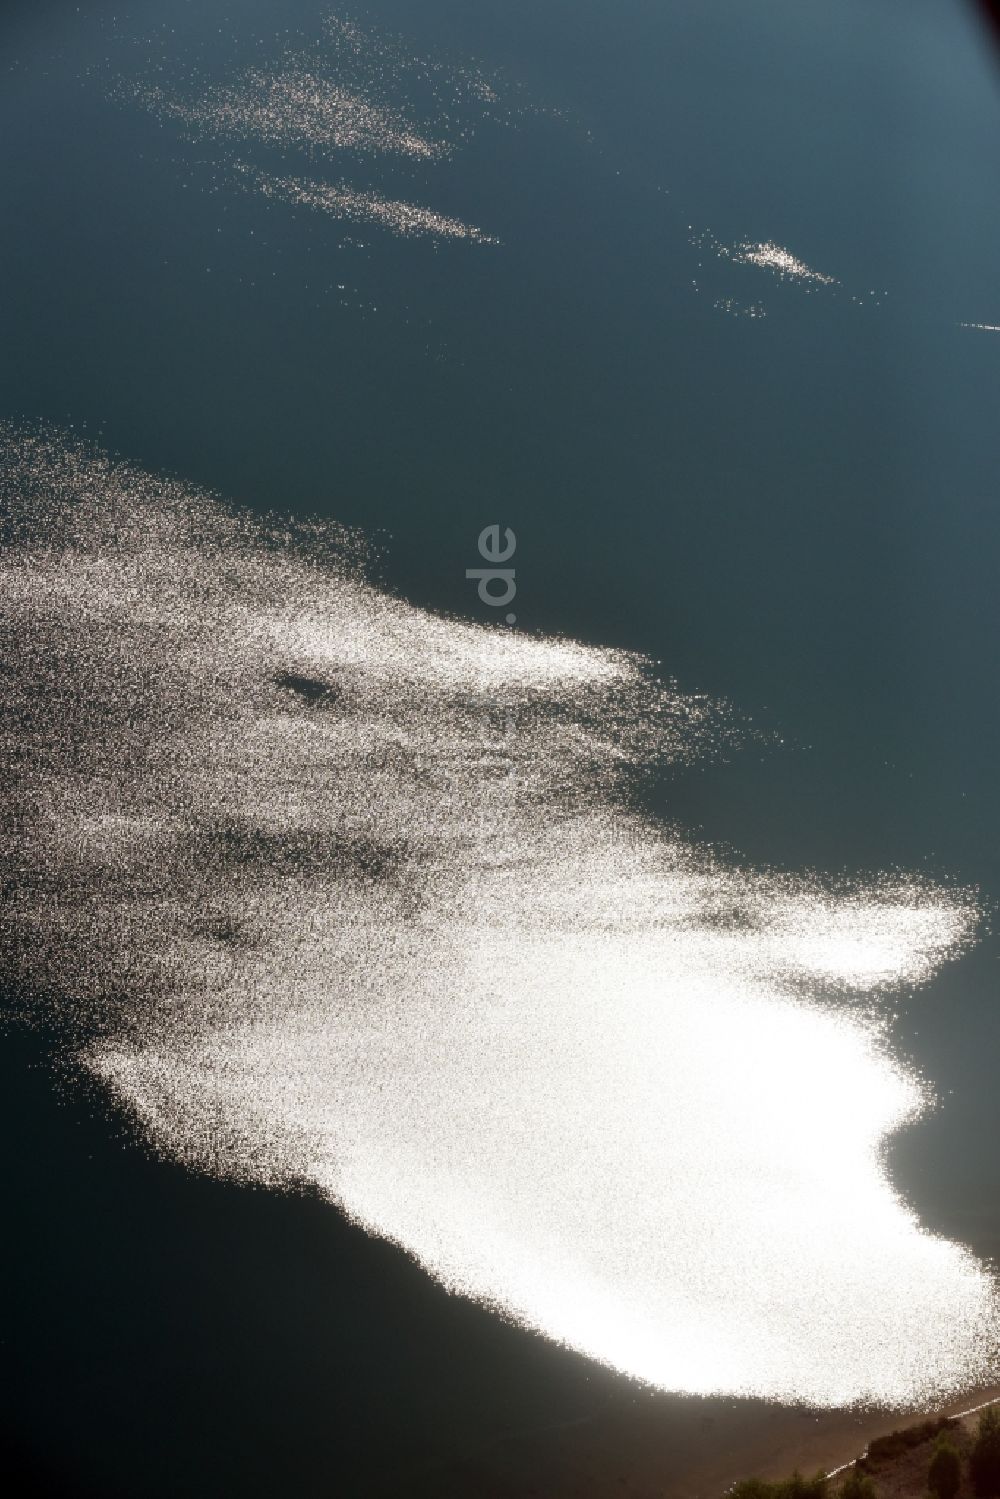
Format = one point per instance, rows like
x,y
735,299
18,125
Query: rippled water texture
x,y
338,891
350,102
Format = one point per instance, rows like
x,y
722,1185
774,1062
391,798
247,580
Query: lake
x,y
699,302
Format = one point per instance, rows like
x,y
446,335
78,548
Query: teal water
x,y
795,510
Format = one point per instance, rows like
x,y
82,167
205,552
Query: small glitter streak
x,y
326,888
364,207
771,257
356,91
765,256
294,107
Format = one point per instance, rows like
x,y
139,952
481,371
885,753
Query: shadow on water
x,y
294,1353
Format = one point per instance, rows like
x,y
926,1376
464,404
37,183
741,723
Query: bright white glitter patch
x,y
342,892
764,256
771,257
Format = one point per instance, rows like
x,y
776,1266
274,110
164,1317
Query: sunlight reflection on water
x,y
400,933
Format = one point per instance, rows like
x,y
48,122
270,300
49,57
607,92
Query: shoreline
x,y
990,1394
839,1440
686,1448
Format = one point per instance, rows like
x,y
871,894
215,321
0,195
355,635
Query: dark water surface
x,y
796,510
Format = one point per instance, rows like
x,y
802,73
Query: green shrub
x,y
798,1487
984,1460
944,1476
795,1487
858,1485
886,1449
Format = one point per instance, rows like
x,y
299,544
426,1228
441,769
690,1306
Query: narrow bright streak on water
x,y
340,201
346,893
